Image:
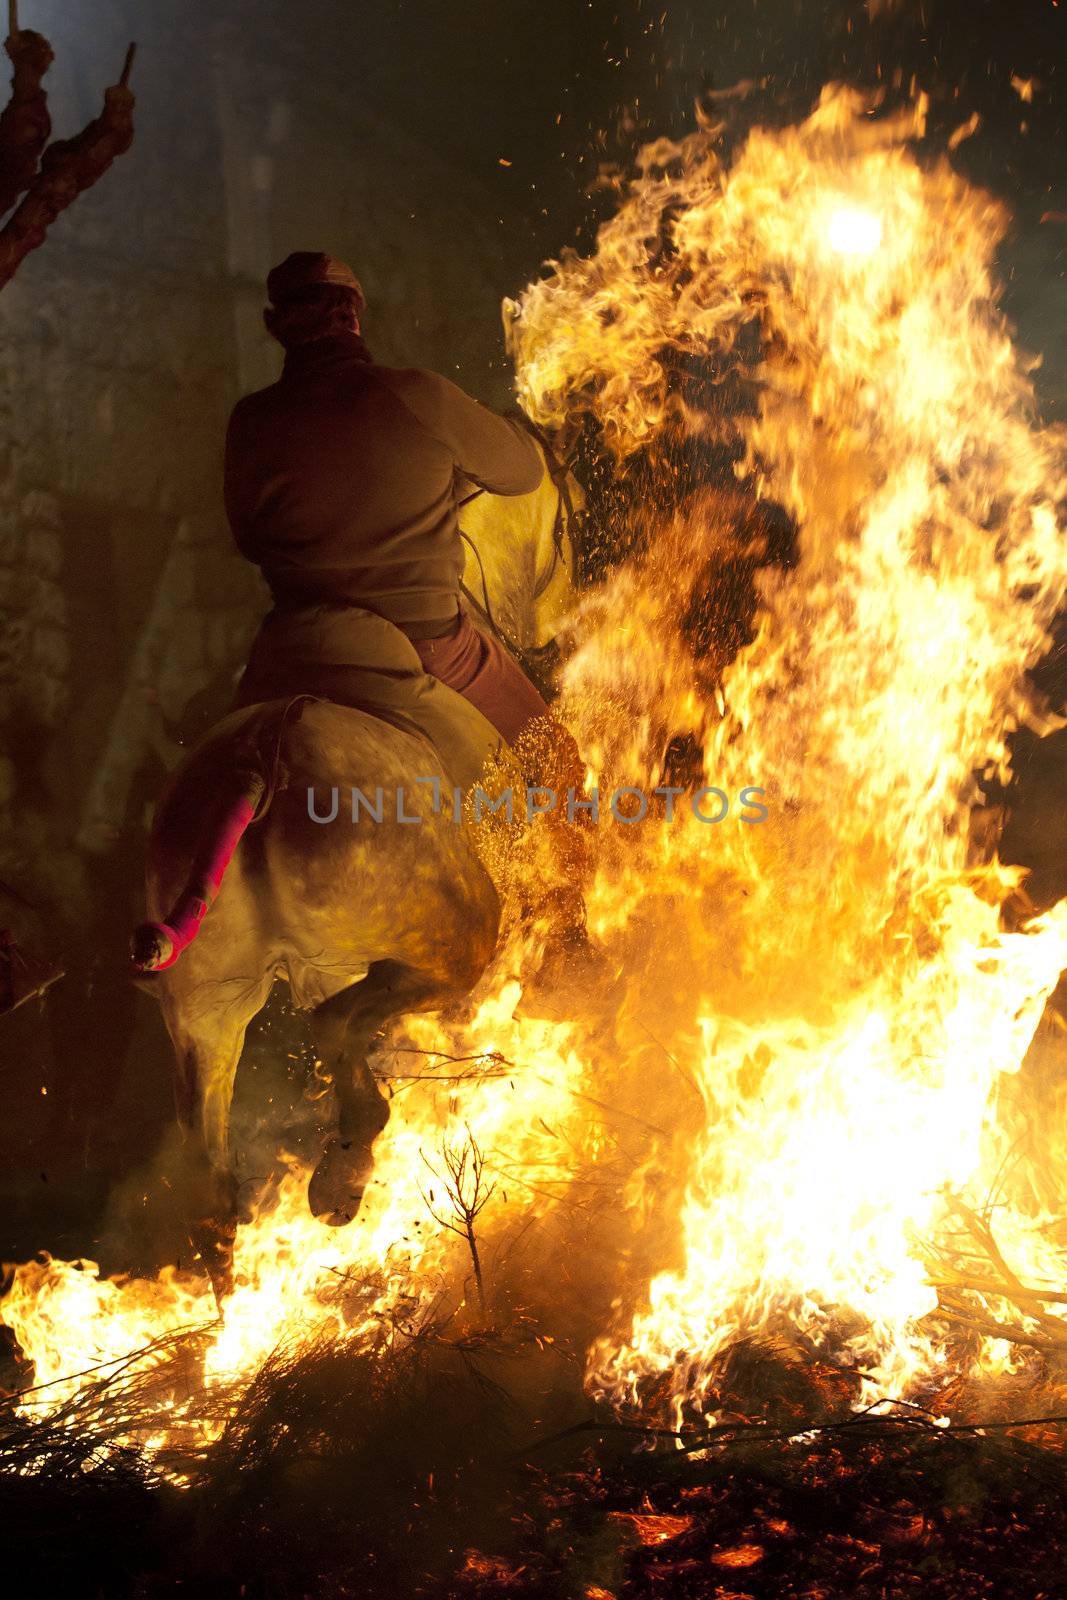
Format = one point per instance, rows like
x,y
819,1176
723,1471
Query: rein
x,y
558,470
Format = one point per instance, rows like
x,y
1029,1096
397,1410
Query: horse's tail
x,y
249,768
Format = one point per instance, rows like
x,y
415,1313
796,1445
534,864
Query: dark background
x,y
547,87
446,149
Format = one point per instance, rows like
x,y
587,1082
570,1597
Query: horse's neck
x,y
516,540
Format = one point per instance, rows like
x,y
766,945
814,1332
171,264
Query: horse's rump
x,y
318,900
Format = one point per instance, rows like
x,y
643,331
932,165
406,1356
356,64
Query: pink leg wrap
x,y
213,856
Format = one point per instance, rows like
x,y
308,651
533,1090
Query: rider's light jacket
x,y
343,479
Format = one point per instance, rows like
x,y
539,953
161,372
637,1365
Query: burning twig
x,y
114,1369
686,1442
22,976
686,1077
957,1280
109,1422
617,1111
477,1068
465,1188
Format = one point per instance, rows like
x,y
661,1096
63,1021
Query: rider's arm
x,y
492,451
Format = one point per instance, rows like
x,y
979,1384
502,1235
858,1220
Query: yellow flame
x,y
854,232
519,1104
821,1011
854,995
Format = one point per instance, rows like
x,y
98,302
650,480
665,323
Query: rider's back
x,y
341,480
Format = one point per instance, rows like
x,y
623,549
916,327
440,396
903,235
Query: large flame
x,y
516,1098
819,1009
854,998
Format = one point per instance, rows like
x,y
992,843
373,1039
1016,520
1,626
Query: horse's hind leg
x,y
206,1055
343,1030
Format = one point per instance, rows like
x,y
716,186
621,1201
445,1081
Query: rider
x,y
343,481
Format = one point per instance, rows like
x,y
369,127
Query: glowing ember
x,y
653,1527
743,1555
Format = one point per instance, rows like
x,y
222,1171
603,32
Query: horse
x,y
365,922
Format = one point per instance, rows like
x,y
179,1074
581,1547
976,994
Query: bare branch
x,y
465,1189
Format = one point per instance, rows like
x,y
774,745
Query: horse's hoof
x,y
213,1242
335,1191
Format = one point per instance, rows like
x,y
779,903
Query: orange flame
x,y
852,997
819,1010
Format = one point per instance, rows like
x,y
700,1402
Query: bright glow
x,y
855,233
807,1092
846,1002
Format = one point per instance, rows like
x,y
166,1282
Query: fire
x,y
296,1277
851,998
854,232
821,1011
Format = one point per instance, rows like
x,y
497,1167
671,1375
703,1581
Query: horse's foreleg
x,y
343,1030
206,1057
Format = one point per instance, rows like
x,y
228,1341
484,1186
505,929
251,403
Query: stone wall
x,y
127,338
124,342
